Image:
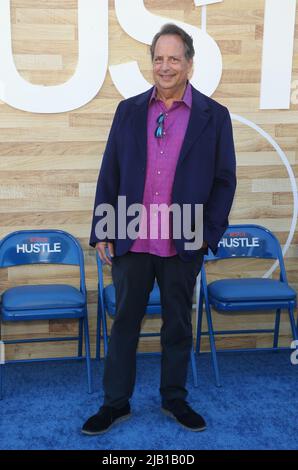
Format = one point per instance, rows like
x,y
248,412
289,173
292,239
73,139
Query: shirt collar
x,y
187,97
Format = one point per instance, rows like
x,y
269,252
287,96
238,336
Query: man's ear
x,y
190,71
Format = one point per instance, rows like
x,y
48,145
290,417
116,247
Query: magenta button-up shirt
x,y
162,158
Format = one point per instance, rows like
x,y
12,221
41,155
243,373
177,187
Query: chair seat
x,y
42,301
153,305
252,289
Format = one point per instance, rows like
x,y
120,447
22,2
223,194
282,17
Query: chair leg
x,y
1,381
87,348
212,344
80,343
199,325
194,367
276,328
98,330
292,321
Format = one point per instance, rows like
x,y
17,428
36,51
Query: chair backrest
x,y
250,241
42,247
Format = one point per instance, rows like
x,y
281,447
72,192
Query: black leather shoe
x,y
104,419
184,414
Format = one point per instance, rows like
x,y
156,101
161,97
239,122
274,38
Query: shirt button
x,y
157,193
161,152
158,172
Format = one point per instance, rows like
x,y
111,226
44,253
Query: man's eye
x,y
157,61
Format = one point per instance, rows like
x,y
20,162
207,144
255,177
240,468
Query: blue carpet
x,y
45,405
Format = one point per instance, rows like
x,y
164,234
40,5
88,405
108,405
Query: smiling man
x,y
169,145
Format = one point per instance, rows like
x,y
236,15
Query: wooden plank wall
x,y
49,163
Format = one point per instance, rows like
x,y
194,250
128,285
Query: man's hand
x,y
101,249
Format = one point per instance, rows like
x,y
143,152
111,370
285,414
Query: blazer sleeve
x,y
219,204
108,179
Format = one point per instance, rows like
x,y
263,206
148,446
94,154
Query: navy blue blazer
x,y
205,172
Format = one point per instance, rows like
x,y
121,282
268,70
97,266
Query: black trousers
x,y
133,275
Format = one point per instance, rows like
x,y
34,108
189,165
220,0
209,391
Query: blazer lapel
x,y
199,116
140,123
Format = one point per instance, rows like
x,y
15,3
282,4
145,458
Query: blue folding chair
x,y
245,294
107,306
45,302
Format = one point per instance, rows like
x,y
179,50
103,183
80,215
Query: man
x,y
171,144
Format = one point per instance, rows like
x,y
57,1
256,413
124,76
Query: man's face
x,y
170,67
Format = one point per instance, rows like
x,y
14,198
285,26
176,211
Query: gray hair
x,y
169,29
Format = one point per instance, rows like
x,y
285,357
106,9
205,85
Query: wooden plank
x,y
47,31
46,15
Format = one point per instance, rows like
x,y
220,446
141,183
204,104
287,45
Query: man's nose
x,y
165,65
